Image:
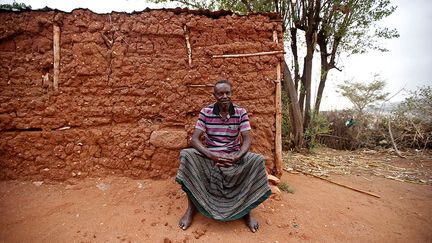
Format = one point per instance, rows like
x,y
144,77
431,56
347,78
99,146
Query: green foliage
x,y
337,26
286,124
355,23
363,95
417,106
411,125
283,186
236,6
318,125
15,6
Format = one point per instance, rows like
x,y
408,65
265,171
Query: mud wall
x,y
127,97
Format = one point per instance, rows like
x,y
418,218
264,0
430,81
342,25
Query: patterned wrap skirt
x,y
223,193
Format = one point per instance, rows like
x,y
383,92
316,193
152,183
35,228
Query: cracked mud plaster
x,y
124,77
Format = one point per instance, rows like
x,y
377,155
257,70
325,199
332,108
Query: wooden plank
x,y
278,103
56,49
249,54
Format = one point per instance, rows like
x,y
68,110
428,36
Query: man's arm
x,y
198,145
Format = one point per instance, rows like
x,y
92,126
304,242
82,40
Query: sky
x,y
407,65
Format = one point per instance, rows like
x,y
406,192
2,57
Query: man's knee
x,y
187,151
258,158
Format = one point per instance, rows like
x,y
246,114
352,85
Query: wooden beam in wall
x,y
278,103
249,54
56,48
188,45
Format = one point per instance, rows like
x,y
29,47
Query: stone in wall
x,y
170,139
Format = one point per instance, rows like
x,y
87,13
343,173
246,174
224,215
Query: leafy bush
x,y
15,6
412,119
318,126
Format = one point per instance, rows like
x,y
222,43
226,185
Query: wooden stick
x,y
56,49
333,136
188,45
393,142
199,85
278,104
108,42
342,185
249,54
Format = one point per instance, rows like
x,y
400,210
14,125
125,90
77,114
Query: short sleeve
x,y
244,121
201,123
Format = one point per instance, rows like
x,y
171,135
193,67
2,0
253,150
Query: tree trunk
x,y
323,79
308,80
294,108
293,32
313,20
302,91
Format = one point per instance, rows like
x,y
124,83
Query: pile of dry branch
x,y
416,168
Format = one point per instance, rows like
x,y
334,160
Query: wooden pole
x,y
56,48
199,85
188,45
342,185
249,54
278,103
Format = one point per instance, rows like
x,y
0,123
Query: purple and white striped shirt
x,y
223,135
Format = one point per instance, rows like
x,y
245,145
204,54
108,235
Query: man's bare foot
x,y
186,220
251,222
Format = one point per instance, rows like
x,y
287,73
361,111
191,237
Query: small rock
x,y
69,187
276,192
273,179
103,186
37,183
198,233
269,222
140,185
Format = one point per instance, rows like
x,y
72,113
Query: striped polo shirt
x,y
223,135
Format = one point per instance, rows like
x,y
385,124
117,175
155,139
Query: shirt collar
x,y
216,110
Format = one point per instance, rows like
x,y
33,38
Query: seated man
x,y
222,179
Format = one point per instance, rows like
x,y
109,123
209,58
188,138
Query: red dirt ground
x,y
148,211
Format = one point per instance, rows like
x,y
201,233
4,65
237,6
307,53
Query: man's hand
x,y
223,162
226,160
220,160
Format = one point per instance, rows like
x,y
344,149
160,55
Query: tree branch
x,y
393,142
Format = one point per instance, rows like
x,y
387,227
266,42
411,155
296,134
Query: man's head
x,y
222,92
